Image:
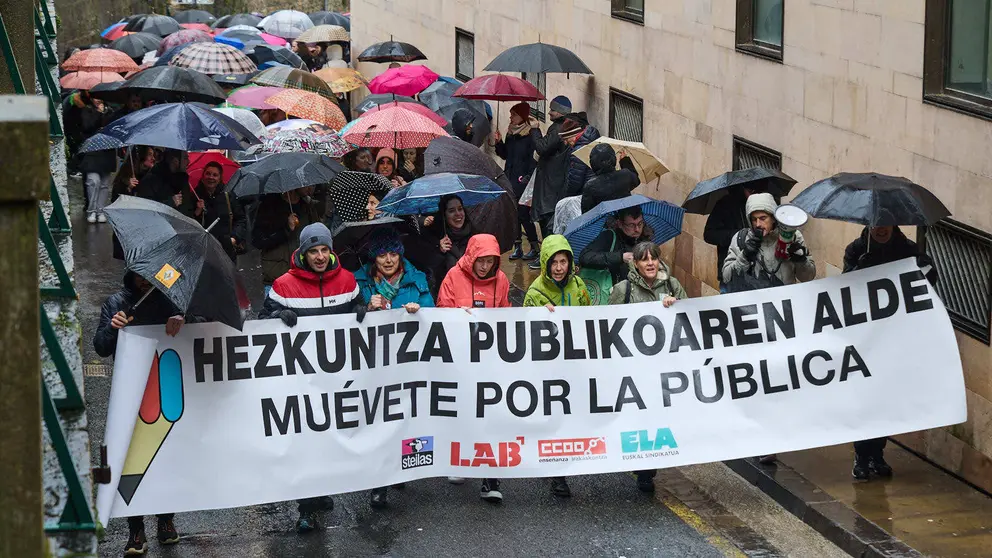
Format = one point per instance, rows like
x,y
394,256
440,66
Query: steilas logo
x,y
504,454
418,452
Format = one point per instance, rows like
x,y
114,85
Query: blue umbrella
x,y
664,218
182,126
423,195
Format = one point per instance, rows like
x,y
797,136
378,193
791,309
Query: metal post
x,y
24,151
19,31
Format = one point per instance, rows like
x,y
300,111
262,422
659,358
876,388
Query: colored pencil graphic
x,y
161,407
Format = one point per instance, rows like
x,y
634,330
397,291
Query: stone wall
x,y
848,97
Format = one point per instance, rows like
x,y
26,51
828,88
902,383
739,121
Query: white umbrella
x,y
247,28
246,118
262,22
287,24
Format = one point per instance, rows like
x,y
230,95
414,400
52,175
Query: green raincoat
x,y
640,291
545,291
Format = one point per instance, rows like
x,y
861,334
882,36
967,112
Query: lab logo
x,y
639,444
502,454
571,449
417,452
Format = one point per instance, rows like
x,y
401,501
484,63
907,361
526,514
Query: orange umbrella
x,y
87,80
99,60
311,106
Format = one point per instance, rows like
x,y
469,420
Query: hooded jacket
x,y
545,290
787,271
578,172
308,293
608,183
664,285
462,289
413,286
552,164
155,310
865,252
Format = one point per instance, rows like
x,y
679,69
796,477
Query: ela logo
x,y
640,440
506,454
418,452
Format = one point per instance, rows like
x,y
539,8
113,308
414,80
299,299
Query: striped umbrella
x,y
99,60
213,58
394,127
183,37
291,78
664,218
304,104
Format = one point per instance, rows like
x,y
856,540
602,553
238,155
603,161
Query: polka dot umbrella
x,y
394,127
99,60
304,104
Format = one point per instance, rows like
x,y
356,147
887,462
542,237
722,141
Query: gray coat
x,y
787,271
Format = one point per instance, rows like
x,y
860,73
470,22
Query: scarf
x,y
388,288
522,129
570,136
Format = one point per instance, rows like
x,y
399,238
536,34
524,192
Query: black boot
x,y
559,487
860,470
137,543
645,481
517,252
878,466
377,498
532,255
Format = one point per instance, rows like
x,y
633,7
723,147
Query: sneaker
x,y
377,498
645,484
860,470
559,487
137,544
101,218
167,533
878,466
532,255
91,218
517,252
456,480
490,491
534,264
307,522
326,503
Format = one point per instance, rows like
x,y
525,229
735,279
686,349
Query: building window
x,y
464,55
629,10
537,108
626,116
760,26
957,61
748,155
963,258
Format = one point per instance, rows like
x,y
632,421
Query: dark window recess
x,y
629,10
626,116
748,155
538,109
963,258
464,55
760,27
957,58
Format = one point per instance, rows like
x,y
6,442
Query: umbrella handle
x,y
217,220
130,312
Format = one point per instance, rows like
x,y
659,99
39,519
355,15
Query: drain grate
x,y
98,370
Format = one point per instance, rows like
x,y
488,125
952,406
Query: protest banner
x,y
217,418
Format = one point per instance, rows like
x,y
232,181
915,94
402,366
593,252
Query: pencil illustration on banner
x,y
161,407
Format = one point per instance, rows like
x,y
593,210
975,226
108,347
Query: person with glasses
x,y
613,249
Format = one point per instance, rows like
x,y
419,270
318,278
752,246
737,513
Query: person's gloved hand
x,y
752,244
360,314
798,253
288,317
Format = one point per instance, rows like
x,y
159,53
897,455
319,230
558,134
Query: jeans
x,y
97,191
267,288
723,289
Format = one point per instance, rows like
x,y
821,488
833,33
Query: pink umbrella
x,y
254,97
393,127
413,107
87,80
183,37
273,40
406,80
197,27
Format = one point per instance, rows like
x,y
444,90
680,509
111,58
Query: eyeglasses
x,y
635,226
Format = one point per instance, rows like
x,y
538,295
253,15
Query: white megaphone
x,y
790,218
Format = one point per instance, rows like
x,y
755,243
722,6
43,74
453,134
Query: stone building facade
x,y
818,87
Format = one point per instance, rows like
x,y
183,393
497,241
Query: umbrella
x,y
331,18
371,101
664,218
195,16
235,29
233,79
872,199
498,217
288,24
99,60
341,80
115,31
283,172
183,37
393,127
353,235
244,117
350,192
311,139
155,24
213,58
168,84
538,58
391,51
178,257
239,43
291,78
405,80
88,80
181,126
648,165
704,196
198,162
497,87
325,34
169,54
196,27
413,107
268,53
423,194
438,97
227,21
253,97
304,104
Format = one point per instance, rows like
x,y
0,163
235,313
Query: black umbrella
x,y
166,84
372,101
350,192
352,235
233,79
704,196
236,19
391,51
178,257
263,53
331,18
283,172
497,217
155,24
136,45
438,98
538,58
872,199
195,16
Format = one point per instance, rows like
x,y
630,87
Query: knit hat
x,y
761,202
315,234
522,110
561,104
384,239
383,153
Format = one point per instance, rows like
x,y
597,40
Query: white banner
x,y
269,414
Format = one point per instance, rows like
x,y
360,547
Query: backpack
x,y
599,282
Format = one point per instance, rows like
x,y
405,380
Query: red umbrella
x,y
406,80
498,87
198,162
116,31
395,128
197,27
413,107
87,80
99,60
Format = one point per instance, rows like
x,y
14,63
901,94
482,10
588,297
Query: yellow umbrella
x,y
342,80
324,34
648,165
